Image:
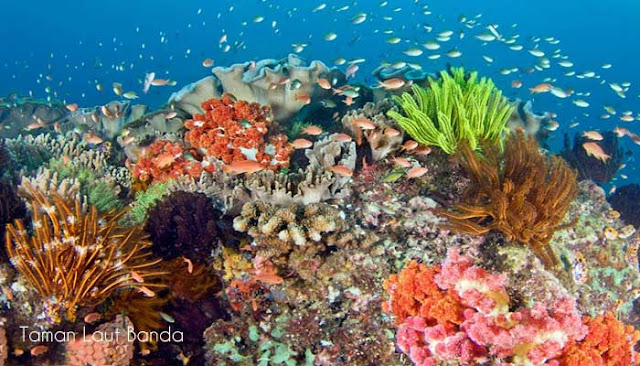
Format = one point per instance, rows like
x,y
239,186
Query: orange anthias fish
x,y
409,145
207,62
593,135
516,84
402,162
363,123
342,137
595,150
541,88
312,130
301,144
342,170
72,107
303,98
324,83
417,172
243,166
620,131
391,84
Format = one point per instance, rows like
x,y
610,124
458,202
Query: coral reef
x,y
589,167
455,108
298,236
146,200
625,201
183,224
520,193
110,344
77,259
523,117
234,131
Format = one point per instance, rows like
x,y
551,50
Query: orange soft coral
x,y
609,342
236,130
415,293
166,160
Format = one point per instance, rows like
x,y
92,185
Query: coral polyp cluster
x,y
236,131
457,312
76,258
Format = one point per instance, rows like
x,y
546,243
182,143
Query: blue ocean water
x,y
71,46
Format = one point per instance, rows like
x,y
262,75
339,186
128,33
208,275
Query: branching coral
x,y
235,131
521,193
455,108
297,235
77,258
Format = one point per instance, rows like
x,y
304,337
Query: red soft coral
x,y
609,342
165,160
235,131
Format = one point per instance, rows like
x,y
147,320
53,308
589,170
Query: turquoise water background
x,y
78,43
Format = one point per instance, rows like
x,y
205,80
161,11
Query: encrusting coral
x,y
456,108
521,193
75,258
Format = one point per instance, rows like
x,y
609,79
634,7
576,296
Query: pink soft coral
x,y
489,330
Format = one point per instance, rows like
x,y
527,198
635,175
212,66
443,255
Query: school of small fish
x,y
543,73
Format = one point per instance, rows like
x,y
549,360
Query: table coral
x,y
237,130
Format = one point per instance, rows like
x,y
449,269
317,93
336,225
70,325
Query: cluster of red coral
x,y
458,312
166,160
235,131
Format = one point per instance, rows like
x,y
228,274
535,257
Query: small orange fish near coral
x,y
207,62
243,166
391,84
170,115
342,137
301,144
541,88
595,150
136,277
312,130
516,84
391,132
303,98
189,264
342,170
324,83
39,350
72,107
92,318
593,135
146,291
422,150
417,172
402,162
409,145
363,123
